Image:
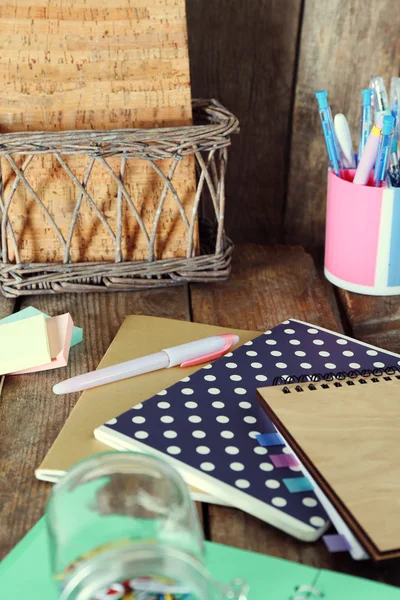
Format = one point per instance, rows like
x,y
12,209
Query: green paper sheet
x,y
25,572
31,311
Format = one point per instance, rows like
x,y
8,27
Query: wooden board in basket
x,y
94,65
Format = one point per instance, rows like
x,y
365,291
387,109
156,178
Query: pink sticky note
x,y
284,460
59,332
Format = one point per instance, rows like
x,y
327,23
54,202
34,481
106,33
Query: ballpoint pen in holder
x,y
343,136
329,131
381,104
394,177
394,107
366,119
362,241
380,98
384,148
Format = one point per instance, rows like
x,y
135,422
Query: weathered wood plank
x,y
373,319
246,59
343,43
31,416
268,286
6,307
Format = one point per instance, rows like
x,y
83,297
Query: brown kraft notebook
x,y
347,435
137,336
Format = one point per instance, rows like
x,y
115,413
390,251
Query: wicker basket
x,y
207,141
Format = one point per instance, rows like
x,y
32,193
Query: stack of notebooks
x,y
31,341
231,449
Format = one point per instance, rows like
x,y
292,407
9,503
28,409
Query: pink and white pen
x,y
185,355
368,157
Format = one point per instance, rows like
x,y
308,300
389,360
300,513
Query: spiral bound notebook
x,y
211,427
346,433
266,576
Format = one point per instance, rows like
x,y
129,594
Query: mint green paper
x,y
25,573
31,311
336,586
269,578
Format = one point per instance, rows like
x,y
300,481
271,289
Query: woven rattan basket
x,y
207,140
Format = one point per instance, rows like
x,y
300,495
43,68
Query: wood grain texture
x,y
343,44
268,285
373,319
86,65
243,53
31,416
6,307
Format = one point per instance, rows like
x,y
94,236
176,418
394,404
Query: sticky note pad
x,y
59,332
31,311
284,460
24,344
298,484
269,439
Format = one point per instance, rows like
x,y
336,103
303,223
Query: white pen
x,y
185,355
344,139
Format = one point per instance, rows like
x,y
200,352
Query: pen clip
x,y
206,358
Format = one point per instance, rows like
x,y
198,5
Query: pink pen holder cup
x,y
362,240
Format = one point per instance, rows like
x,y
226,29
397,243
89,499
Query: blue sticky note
x,y
30,311
298,484
269,439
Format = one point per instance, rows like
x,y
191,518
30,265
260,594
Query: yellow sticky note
x,y
24,344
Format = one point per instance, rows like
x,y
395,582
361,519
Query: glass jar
x,y
123,526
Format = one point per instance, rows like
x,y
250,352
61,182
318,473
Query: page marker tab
x,y
336,543
269,439
298,484
284,460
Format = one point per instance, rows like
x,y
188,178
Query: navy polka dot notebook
x,y
211,427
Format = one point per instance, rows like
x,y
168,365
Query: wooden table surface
x,y
268,285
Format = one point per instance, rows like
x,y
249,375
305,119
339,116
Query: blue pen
x,y
394,105
385,144
366,120
329,132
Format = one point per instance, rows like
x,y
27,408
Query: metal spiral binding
x,y
306,591
363,377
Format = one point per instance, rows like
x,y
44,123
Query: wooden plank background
x,y
264,60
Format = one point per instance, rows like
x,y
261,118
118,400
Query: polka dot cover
x,y
210,421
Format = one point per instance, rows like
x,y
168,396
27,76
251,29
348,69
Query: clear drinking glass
x,y
123,526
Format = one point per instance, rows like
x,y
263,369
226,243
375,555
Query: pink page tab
x,y
284,460
352,229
